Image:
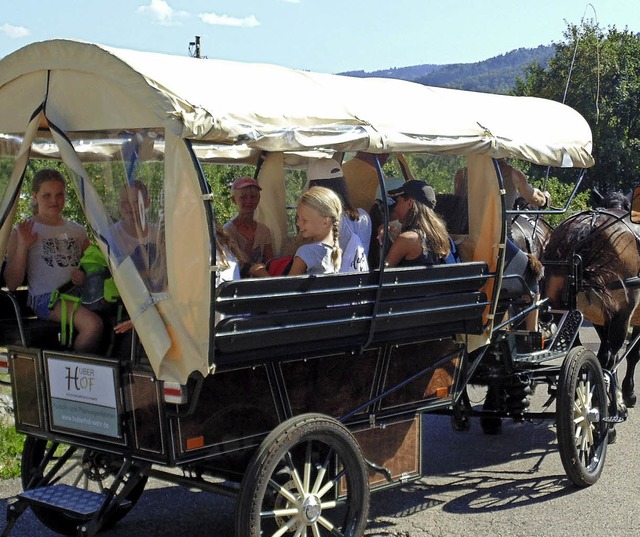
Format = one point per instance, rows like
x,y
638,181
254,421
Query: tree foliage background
x,y
597,72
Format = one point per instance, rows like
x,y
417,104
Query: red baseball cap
x,y
245,181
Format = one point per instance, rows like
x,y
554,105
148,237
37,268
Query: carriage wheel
x,y
308,477
84,468
581,410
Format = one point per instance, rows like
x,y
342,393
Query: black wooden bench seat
x,y
271,317
30,331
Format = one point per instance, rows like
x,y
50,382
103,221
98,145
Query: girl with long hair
x,y
319,213
46,250
423,238
355,223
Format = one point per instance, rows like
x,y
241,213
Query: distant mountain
x,y
404,73
495,75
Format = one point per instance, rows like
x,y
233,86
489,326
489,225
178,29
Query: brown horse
x,y
530,232
605,247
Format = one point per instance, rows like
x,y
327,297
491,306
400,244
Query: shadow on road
x,y
471,472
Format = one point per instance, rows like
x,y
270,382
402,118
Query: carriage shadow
x,y
471,472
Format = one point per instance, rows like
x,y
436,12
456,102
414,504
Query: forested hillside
x,y
495,75
411,73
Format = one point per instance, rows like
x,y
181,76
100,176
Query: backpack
x,y
454,255
66,294
279,266
99,292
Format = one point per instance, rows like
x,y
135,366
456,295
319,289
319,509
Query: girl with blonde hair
x,y
319,214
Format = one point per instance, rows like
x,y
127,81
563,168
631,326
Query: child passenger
x,y
355,223
423,238
47,249
319,212
136,237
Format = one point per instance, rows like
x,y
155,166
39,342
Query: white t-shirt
x,y
355,238
231,272
354,258
54,256
361,227
129,245
317,257
146,252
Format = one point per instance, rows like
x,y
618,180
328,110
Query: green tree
x,y
603,70
220,178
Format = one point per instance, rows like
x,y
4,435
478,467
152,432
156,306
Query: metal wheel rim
x,y
301,502
586,418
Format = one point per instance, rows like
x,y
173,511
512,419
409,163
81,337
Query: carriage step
x,y
562,340
614,419
72,501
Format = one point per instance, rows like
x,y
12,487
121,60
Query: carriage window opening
x,y
125,200
295,182
7,144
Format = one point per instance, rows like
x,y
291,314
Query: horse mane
x,y
616,200
574,230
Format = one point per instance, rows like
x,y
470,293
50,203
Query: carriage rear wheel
x,y
84,468
581,411
308,477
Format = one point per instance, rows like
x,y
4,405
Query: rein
x,y
594,229
634,281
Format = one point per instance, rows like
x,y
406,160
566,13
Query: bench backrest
x,y
271,317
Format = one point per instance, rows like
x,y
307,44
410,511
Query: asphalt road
x,y
472,485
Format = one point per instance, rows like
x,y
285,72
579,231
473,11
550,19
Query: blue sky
x,y
319,35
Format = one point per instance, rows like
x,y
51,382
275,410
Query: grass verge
x,y
10,451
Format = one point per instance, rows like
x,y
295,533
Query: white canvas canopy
x,y
247,109
278,109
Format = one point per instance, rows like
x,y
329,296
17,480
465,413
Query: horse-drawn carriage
x,y
297,395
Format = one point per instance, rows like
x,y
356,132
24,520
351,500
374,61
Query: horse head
x,y
530,232
616,200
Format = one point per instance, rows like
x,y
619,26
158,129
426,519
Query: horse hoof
x,y
629,399
612,435
491,426
461,424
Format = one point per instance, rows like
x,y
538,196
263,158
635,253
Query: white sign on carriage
x,y
83,396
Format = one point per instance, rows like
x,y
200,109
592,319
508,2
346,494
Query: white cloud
x,y
15,32
163,13
226,20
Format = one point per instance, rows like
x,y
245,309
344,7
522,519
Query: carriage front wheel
x,y
308,477
581,411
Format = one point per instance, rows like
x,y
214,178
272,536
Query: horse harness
x,y
538,232
629,282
